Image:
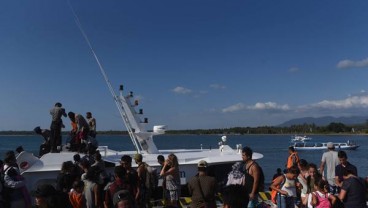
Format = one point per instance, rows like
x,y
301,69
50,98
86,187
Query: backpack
x,y
151,181
274,192
323,201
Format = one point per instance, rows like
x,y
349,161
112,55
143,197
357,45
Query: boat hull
x,y
307,146
45,169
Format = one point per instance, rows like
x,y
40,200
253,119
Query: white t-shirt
x,y
331,160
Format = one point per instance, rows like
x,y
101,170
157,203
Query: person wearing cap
x,y
329,160
202,188
344,163
56,124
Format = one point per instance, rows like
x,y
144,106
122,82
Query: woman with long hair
x,y
171,173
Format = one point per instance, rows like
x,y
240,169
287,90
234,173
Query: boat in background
x,y
297,138
323,145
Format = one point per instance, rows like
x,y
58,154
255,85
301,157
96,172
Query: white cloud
x,y
233,108
257,106
294,69
344,64
181,90
217,86
269,106
350,102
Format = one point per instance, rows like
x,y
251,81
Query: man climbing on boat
x,y
45,146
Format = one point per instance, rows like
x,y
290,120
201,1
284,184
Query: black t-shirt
x,y
355,192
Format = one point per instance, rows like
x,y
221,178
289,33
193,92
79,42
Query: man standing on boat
x,y
82,132
92,124
330,160
56,124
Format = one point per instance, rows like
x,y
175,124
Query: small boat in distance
x,y
323,145
297,138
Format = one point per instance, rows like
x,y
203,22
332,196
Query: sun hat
x,y
202,164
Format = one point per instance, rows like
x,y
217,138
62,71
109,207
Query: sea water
x,y
273,147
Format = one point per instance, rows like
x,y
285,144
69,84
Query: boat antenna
x,y
116,98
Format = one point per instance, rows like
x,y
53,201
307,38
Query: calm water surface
x,y
273,147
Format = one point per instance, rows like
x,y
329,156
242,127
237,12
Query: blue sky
x,y
192,64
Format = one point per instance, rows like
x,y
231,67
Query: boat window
x,y
299,145
319,145
309,144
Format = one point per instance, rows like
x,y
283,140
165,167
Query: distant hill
x,y
324,121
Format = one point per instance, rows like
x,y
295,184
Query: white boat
x,y
298,138
323,145
45,169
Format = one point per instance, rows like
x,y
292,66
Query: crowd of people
x,y
334,184
81,137
84,182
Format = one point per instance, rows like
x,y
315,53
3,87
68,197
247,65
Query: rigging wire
x,y
111,89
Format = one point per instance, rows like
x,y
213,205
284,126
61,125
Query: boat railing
x,y
103,150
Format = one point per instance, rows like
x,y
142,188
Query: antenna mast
x,y
118,101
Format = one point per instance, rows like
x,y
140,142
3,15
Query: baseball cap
x,y
202,164
330,145
138,157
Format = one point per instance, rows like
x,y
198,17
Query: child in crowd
x,y
321,198
285,186
76,194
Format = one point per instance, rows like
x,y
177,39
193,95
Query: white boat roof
x,y
53,161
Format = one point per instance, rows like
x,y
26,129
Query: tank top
x,y
323,201
289,187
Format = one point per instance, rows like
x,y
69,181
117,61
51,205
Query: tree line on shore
x,y
332,128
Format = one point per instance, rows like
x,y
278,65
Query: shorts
x,y
172,195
